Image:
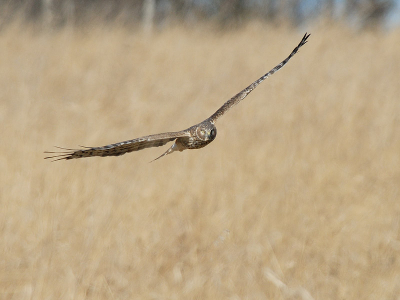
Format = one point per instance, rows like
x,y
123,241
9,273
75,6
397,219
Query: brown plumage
x,y
195,137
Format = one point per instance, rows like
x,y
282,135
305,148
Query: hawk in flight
x,y
194,137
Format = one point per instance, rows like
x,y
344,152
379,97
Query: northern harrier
x,y
195,137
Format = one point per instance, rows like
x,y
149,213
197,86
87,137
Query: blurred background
x,y
297,198
161,13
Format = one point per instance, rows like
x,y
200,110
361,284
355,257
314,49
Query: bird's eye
x,y
213,133
202,132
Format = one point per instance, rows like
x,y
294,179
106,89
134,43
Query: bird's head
x,y
206,132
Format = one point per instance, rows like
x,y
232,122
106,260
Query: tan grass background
x,y
297,198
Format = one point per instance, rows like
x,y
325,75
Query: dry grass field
x,y
297,198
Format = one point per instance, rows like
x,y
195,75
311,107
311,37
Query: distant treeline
x,y
159,13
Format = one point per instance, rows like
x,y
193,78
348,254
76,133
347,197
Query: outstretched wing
x,y
240,96
117,149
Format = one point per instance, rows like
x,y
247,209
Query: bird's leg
x,y
173,148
